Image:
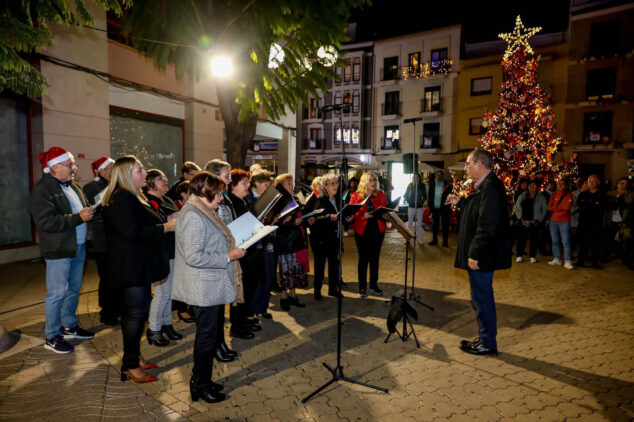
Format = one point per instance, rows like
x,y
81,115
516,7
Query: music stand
x,y
337,372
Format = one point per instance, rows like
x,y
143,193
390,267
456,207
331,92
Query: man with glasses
x,y
59,209
483,245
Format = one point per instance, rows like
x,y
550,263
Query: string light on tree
x,y
519,38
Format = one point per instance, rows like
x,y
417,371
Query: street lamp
x,y
328,55
221,66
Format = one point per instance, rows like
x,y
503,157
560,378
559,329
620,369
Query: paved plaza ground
x,y
566,341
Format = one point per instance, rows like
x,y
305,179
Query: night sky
x,y
482,21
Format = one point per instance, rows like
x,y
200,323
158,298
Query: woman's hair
x,y
121,178
326,178
316,183
215,166
181,188
238,175
206,185
151,177
260,176
279,179
362,190
189,166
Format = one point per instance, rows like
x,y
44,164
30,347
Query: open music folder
x,y
247,230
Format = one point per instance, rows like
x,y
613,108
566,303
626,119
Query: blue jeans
x,y
161,305
484,302
560,232
63,283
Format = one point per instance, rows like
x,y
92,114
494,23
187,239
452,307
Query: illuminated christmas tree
x,y
521,135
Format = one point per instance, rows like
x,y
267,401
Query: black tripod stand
x,y
337,372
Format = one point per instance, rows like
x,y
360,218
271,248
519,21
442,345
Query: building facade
x,y
600,101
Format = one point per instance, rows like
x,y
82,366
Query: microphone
x,y
413,120
332,107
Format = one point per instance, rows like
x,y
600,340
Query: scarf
x,y
237,270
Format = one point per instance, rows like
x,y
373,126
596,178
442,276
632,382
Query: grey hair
x,y
482,156
215,166
326,178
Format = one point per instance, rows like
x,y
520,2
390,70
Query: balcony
x,y
389,145
427,69
390,74
313,113
430,143
313,144
391,110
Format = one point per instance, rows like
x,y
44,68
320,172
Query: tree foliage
x,y
24,30
191,32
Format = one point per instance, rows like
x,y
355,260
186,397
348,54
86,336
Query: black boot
x,y
295,302
221,357
208,395
169,331
156,338
285,304
226,350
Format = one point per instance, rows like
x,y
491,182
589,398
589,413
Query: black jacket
x,y
171,194
323,232
53,216
445,193
133,232
166,207
421,195
96,234
484,227
289,238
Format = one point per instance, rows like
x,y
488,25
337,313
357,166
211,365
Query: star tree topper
x,y
517,39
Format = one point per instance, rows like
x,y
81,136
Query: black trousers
x,y
322,252
205,343
437,215
252,272
136,308
589,239
109,300
369,247
530,233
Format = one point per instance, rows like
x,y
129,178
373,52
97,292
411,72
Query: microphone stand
x,y
337,372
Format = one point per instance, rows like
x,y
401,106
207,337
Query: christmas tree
x,y
521,135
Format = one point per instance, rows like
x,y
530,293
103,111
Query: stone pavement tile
x,y
593,417
549,413
512,409
486,413
570,410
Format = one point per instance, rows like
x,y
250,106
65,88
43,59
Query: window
x,y
347,99
413,63
347,71
605,37
314,108
355,133
437,56
597,127
481,86
337,132
346,133
356,99
431,135
432,99
601,82
338,98
390,137
356,69
392,103
14,142
339,77
157,141
390,68
475,126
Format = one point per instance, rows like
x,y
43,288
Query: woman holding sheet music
x,y
252,263
369,231
289,240
207,275
324,238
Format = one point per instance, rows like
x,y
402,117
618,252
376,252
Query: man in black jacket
x,y
483,246
439,190
108,301
58,207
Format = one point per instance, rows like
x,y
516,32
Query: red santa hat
x,y
100,164
53,156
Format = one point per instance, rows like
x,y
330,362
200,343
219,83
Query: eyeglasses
x,y
70,166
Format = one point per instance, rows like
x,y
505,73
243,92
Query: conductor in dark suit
x,y
483,246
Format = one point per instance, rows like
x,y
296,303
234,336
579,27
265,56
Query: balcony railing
x,y
390,74
314,144
425,108
390,144
427,69
388,109
313,113
430,141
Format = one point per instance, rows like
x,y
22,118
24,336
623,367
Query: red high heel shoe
x,y
146,378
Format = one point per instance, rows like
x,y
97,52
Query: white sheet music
x,y
247,230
